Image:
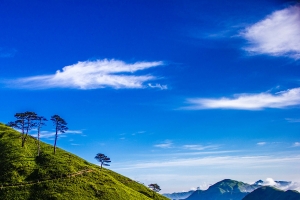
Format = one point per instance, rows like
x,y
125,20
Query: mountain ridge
x,y
272,193
225,189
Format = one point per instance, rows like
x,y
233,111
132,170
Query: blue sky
x,y
179,93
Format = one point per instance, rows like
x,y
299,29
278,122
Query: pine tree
x,y
25,122
154,187
60,127
103,159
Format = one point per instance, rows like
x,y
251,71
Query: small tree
x,y
25,122
103,159
154,187
60,127
39,123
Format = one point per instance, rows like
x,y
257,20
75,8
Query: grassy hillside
x,y
271,193
23,175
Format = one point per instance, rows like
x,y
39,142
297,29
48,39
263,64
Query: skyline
x,y
178,93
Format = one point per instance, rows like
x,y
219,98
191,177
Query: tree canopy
x,y
103,159
154,187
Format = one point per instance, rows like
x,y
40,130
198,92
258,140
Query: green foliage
x,y
63,176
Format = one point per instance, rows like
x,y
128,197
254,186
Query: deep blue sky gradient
x,y
202,50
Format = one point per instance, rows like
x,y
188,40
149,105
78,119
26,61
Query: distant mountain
x,y
226,189
179,195
235,190
271,193
283,183
259,183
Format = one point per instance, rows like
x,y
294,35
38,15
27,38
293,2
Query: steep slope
x,y
23,175
271,193
224,190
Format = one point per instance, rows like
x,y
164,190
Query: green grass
x,y
24,175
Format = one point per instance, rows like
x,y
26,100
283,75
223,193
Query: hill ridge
x,y
63,176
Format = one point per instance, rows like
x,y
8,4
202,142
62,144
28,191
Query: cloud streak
x,y
7,53
276,35
261,143
258,101
91,75
219,162
296,144
48,134
159,86
292,120
166,145
199,147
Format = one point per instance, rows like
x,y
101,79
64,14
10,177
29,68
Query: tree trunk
x,y
38,153
23,141
23,133
54,149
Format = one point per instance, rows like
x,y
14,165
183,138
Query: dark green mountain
x,y
271,193
179,195
64,176
224,190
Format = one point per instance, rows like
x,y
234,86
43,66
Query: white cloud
x,y
258,101
261,143
167,144
48,134
219,162
91,75
162,87
292,120
296,144
277,34
285,185
270,182
199,147
291,186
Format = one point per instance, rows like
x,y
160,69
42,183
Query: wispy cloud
x,y
7,53
296,144
165,145
277,34
281,185
91,75
159,86
292,120
261,143
200,147
49,134
220,162
258,101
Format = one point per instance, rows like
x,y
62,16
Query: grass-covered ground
x,y
24,175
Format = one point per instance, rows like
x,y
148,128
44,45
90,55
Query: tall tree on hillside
x,y
103,159
60,127
154,187
25,122
40,121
